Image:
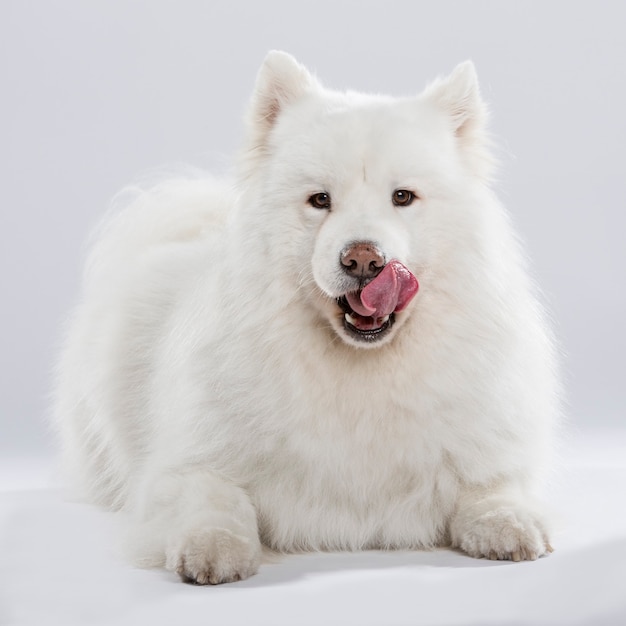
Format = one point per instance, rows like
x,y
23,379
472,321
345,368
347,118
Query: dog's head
x,y
361,196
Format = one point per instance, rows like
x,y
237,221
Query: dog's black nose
x,y
362,260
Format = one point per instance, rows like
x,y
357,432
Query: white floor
x,y
58,566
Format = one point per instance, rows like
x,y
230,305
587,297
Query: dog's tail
x,y
146,215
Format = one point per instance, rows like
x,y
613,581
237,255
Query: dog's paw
x,y
503,533
214,556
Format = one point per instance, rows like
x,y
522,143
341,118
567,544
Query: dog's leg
x,y
196,524
499,525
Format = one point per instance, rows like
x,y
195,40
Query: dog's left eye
x,y
403,197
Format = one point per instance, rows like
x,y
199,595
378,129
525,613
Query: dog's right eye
x,y
320,201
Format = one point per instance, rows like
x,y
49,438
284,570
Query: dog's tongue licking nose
x,y
389,292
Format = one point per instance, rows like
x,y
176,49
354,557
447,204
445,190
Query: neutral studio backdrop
x,y
95,94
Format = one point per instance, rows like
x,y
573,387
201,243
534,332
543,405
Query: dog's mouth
x,y
364,327
370,313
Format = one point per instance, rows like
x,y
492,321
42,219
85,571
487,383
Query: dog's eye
x,y
320,201
402,197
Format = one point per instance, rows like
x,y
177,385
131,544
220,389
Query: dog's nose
x,y
362,260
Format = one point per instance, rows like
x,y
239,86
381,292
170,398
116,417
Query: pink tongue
x,y
390,291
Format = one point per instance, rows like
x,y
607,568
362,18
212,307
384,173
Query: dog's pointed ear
x,y
458,97
280,81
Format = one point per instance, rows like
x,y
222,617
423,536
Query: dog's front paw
x,y
505,532
213,556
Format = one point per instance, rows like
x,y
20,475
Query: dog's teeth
x,y
350,319
384,320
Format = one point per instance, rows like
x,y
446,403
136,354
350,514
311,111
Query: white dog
x,y
339,350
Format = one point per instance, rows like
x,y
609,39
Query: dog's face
x,y
361,194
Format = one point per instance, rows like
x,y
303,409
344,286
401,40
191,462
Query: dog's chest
x,y
336,480
342,453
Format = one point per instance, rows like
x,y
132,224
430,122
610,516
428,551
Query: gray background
x,y
95,93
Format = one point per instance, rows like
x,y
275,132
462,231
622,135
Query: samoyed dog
x,y
340,349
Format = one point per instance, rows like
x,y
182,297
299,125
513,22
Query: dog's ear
x,y
458,96
280,81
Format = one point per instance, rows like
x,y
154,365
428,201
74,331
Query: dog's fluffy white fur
x,y
210,389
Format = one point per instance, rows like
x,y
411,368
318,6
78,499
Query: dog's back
x,y
139,260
